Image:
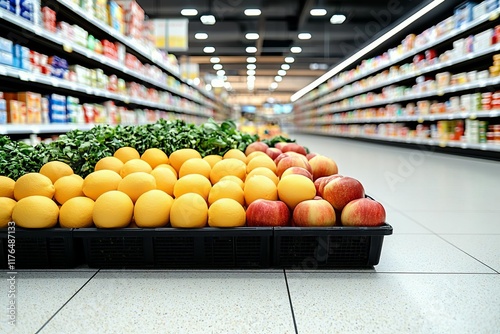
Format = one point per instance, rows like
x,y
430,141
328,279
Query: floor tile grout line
x,y
290,301
80,289
393,272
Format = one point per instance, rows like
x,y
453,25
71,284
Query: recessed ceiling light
x,y
289,60
251,78
201,35
196,81
217,82
251,49
251,72
318,12
214,60
304,35
189,12
217,67
273,85
208,20
221,73
282,73
296,49
209,49
278,78
252,12
252,35
251,67
251,60
337,19
208,87
285,67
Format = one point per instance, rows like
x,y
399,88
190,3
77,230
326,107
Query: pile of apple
x,y
339,200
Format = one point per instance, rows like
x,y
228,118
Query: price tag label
x,y
3,128
54,82
483,146
442,144
3,70
451,116
37,30
67,47
440,93
35,130
126,100
24,76
463,145
88,53
72,85
494,16
431,117
473,115
494,113
89,90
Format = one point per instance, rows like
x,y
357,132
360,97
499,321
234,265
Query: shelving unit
x,y
200,103
346,105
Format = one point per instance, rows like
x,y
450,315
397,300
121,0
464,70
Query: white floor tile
x,y
395,303
485,248
425,253
38,296
401,224
460,222
178,302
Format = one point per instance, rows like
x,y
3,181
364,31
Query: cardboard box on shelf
x,y
33,102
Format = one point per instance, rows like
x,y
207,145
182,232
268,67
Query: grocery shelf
x,y
73,87
6,129
492,16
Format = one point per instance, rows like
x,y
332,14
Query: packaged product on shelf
x,y
443,80
65,30
6,45
49,21
45,110
111,111
112,83
6,58
482,130
33,102
121,52
483,40
21,57
74,110
29,10
100,114
479,10
495,101
463,14
88,113
98,47
134,18
3,109
5,4
109,49
116,19
57,108
121,87
82,74
88,7
16,111
101,10
472,131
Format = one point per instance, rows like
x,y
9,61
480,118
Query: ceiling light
x,y
273,85
278,78
252,35
251,67
208,20
221,73
252,12
217,83
251,78
227,85
208,87
217,67
209,49
201,35
285,67
282,73
296,49
189,12
251,49
214,60
304,35
337,19
251,60
318,12
251,72
196,81
370,47
289,60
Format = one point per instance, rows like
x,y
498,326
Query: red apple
x,y
319,197
341,190
321,182
294,147
291,161
313,212
297,170
323,166
273,152
363,212
263,212
280,145
256,146
311,155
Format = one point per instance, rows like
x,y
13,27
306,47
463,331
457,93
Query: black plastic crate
x,y
213,248
40,248
332,247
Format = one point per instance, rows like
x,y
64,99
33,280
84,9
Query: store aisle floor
x,y
438,273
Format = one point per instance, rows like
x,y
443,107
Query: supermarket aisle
x,y
438,273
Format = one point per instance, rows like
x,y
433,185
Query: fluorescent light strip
x,y
370,47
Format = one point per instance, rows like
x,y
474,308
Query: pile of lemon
x,y
152,190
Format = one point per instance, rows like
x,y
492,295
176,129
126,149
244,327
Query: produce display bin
x,y
172,248
40,248
332,247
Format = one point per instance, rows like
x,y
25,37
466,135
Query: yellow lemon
x,y
189,211
192,183
234,179
135,166
97,183
228,166
261,161
35,212
152,209
165,180
7,187
260,187
226,189
177,158
255,154
264,171
168,167
109,163
154,157
126,153
295,188
6,206
113,209
136,184
236,154
195,166
55,170
33,184
226,212
77,213
212,159
68,187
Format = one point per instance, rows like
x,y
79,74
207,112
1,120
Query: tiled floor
x,y
438,272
